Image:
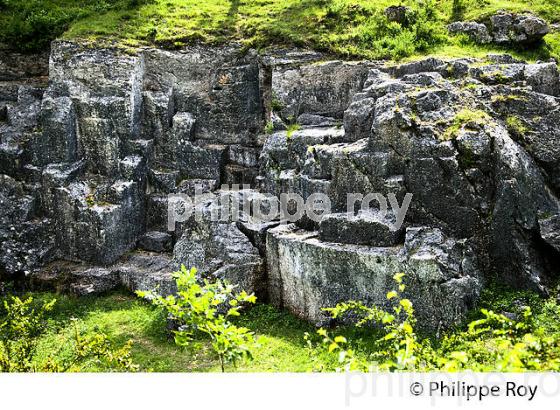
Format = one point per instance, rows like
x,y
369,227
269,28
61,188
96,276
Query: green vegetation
x,y
505,98
282,343
22,325
348,28
520,341
32,24
276,105
269,128
516,126
197,310
279,337
291,129
466,118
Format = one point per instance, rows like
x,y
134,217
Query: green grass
x,y
280,344
348,28
465,118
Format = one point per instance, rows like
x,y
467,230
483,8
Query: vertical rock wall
x,y
88,161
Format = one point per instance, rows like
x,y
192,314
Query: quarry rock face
x,y
453,167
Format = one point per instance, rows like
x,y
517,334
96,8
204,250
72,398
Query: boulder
x,y
478,32
543,78
397,14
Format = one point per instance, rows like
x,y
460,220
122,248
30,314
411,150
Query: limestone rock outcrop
x,y
503,28
462,156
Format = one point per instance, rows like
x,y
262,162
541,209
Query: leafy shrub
x,y
422,30
494,342
23,322
206,309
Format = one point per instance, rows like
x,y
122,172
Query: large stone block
x,y
306,275
219,86
317,88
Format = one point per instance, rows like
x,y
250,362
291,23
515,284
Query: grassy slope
x,y
346,27
350,28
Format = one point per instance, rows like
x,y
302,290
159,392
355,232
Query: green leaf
x,y
340,339
398,277
392,294
406,304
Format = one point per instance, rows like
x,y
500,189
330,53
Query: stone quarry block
x,y
92,281
156,241
365,228
58,142
306,275
219,86
147,271
318,88
100,145
93,230
222,251
133,167
163,180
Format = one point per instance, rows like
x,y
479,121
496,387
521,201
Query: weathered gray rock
x,y
512,28
87,165
543,78
15,65
371,228
476,31
25,241
58,143
550,230
221,250
521,195
92,281
155,241
147,271
136,271
397,14
306,274
504,28
319,88
97,226
499,73
218,86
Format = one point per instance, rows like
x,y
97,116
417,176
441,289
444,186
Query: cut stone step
x,y
156,241
371,228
